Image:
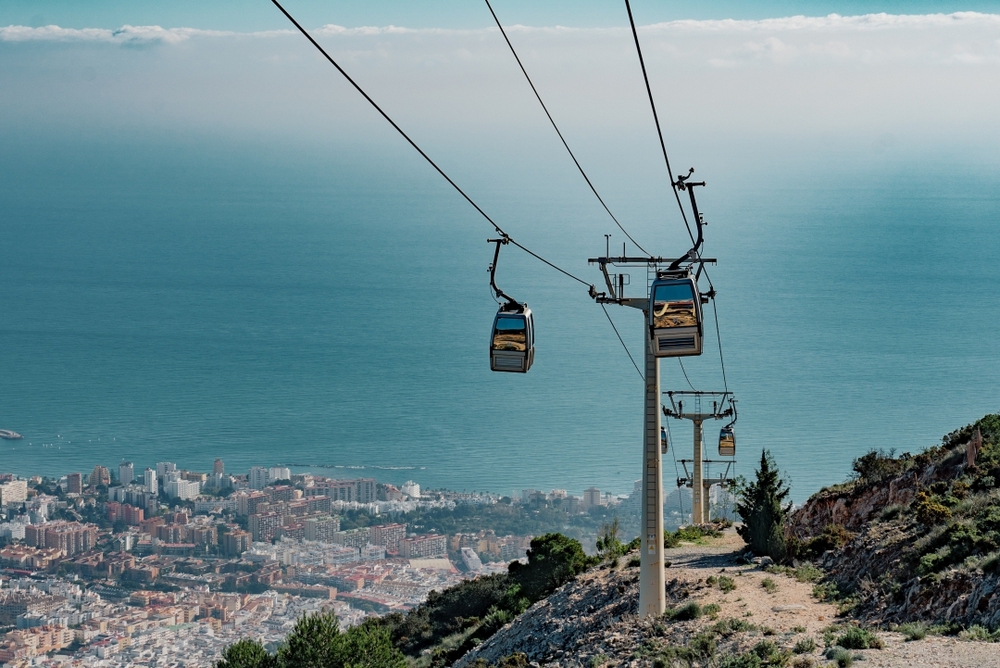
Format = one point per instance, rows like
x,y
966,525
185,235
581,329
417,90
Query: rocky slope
x,y
915,537
744,610
591,621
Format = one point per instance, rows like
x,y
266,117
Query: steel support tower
x,y
652,589
697,414
652,582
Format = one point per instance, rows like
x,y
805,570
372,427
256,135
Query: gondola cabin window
x,y
510,334
674,306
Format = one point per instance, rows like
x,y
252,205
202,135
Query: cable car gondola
x,y
512,344
675,321
512,347
727,441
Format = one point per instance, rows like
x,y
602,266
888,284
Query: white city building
x,y
279,473
126,473
163,468
149,481
182,489
258,477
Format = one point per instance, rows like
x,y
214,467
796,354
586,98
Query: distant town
x,y
163,566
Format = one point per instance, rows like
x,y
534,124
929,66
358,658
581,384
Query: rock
x,y
790,607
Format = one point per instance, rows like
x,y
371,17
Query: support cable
x,y
718,337
684,371
656,119
556,128
627,352
670,175
412,143
677,472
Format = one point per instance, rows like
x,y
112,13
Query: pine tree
x,y
764,507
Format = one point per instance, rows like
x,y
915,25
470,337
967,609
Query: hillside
x,y
897,567
914,537
722,613
904,557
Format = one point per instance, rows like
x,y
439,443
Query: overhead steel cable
x,y
627,351
656,119
718,337
558,132
412,143
673,185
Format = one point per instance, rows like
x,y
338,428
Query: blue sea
x,y
327,307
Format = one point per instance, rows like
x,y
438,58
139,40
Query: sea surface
x,y
328,308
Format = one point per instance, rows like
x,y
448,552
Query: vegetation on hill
x,y
764,506
317,642
437,632
914,536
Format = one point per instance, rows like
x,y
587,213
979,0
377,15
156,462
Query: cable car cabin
x,y
512,347
727,442
675,315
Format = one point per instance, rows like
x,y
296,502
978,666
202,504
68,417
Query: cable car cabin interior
x,y
727,442
675,316
512,347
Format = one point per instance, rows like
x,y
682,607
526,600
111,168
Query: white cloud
x,y
124,35
838,74
832,22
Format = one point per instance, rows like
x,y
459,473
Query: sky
x,y
260,15
894,80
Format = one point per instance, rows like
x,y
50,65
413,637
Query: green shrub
x,y
609,545
553,560
246,653
769,586
686,612
729,626
703,645
634,562
878,465
913,630
597,661
828,592
495,620
689,534
859,638
804,646
769,653
712,610
840,656
930,563
316,642
980,633
723,582
930,511
834,537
